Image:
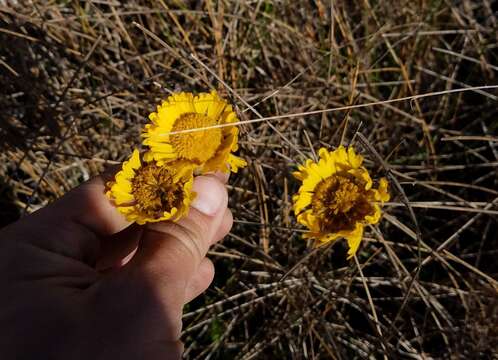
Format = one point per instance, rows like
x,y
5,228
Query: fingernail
x,y
211,195
222,176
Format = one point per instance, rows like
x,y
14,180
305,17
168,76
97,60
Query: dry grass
x,y
79,78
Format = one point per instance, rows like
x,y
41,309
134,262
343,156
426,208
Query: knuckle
x,y
225,196
208,270
189,237
227,222
199,223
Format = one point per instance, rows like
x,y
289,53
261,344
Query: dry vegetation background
x,y
78,79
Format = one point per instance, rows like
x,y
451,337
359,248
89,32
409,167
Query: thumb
x,y
179,247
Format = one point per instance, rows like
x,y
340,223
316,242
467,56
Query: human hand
x,y
79,282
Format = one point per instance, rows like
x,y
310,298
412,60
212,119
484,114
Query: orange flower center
x,y
198,146
154,190
340,201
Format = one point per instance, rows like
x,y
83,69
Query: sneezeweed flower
x,y
336,198
145,192
209,149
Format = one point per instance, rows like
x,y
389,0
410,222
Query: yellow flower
x,y
210,149
336,198
145,192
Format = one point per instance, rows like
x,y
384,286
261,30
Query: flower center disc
x,y
154,190
340,203
198,146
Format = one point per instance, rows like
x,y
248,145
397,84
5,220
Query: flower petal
x,y
211,104
383,190
354,159
354,240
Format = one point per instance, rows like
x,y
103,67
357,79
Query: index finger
x,y
74,225
88,205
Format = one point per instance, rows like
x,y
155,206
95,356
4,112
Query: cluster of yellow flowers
x,y
157,185
335,200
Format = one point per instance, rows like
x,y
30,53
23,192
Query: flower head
x,y
209,149
336,198
145,192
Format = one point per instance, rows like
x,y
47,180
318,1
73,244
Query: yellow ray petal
x,y
302,201
383,193
236,163
375,217
354,240
354,159
210,104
